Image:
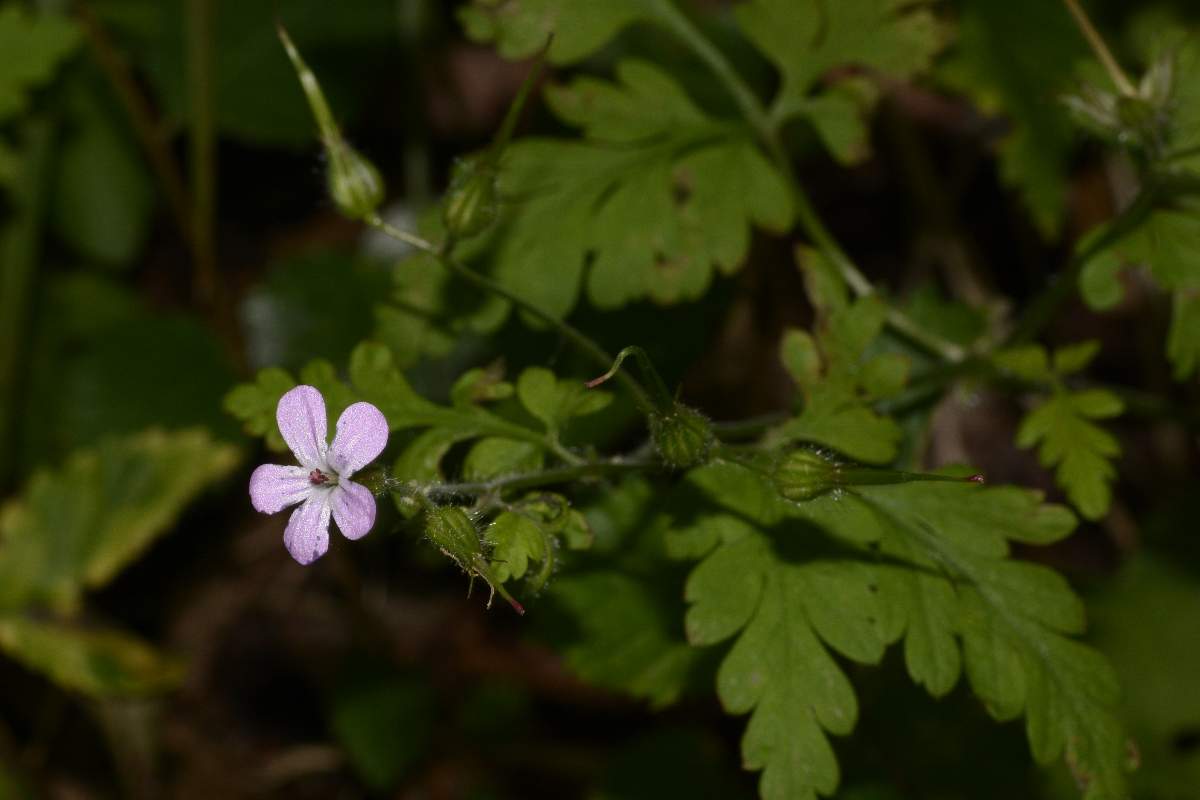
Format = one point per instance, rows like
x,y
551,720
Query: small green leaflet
x,y
1080,451
836,373
806,39
33,47
657,197
923,562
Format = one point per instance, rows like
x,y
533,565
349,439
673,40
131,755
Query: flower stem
x,y
582,342
1119,78
752,109
529,480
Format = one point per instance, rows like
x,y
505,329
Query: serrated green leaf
x,y
1080,450
838,115
33,46
96,662
517,542
573,28
658,202
76,527
1012,620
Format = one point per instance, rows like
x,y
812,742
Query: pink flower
x,y
321,484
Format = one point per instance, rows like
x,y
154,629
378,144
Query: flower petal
x,y
307,533
353,509
362,433
301,418
274,487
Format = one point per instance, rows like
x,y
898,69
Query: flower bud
x,y
354,183
453,532
805,474
682,436
470,205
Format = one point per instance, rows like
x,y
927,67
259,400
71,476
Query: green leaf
x,y
924,562
627,635
1023,83
1075,357
1183,341
658,197
520,28
76,527
517,542
254,405
806,39
555,401
1029,363
33,46
97,662
493,456
103,198
1080,450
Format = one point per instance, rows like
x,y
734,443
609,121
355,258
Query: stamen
x,y
317,477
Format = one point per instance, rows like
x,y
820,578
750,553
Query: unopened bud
x,y
805,474
452,531
682,436
354,183
471,202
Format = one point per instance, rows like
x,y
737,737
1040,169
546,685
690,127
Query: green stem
x,y
1119,78
664,401
752,109
582,342
529,480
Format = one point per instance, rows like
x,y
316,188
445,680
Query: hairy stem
x,y
581,341
752,109
529,480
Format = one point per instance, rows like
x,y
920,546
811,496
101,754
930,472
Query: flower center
x,y
318,478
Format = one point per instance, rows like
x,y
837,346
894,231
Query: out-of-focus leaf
x,y
573,28
103,198
493,456
627,638
97,662
255,90
75,527
806,39
384,721
31,48
1183,341
1136,620
555,401
657,198
103,364
1024,84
